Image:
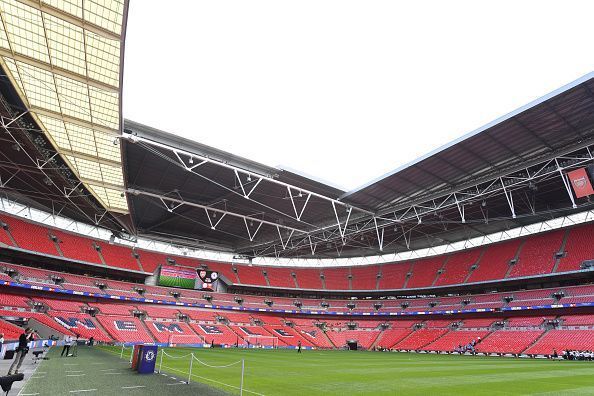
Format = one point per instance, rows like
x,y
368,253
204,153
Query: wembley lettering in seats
x,y
124,325
73,323
247,331
282,333
168,327
209,329
311,333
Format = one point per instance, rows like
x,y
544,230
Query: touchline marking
x,y
73,371
133,387
211,380
75,375
83,390
112,373
28,394
70,364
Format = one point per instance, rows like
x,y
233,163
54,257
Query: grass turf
x,y
284,372
96,372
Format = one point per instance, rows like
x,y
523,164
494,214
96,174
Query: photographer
x,y
21,351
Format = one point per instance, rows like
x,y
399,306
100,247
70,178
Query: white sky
x,y
345,90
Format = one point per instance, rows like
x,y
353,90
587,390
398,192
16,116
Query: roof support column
x,y
566,184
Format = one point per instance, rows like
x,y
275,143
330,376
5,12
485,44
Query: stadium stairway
x,y
536,340
148,331
377,339
561,249
328,338
102,328
516,257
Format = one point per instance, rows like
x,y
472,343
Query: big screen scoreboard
x,y
177,277
187,278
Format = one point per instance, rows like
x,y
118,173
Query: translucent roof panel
x,y
64,58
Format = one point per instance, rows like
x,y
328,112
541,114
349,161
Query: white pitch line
x,y
133,387
28,394
75,375
177,383
73,371
83,390
112,373
70,364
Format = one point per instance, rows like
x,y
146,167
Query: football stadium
x,y
137,261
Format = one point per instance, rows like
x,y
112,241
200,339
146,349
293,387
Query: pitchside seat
x,y
419,338
455,338
508,341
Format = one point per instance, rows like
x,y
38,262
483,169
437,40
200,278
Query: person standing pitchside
x,y
299,346
21,351
67,344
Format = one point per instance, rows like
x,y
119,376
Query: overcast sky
x,y
345,91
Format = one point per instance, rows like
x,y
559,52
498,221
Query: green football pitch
x,y
284,372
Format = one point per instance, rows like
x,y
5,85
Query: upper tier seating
x,y
118,256
77,247
365,277
222,268
4,238
150,261
30,236
537,254
495,261
508,341
424,272
336,278
394,275
578,248
457,267
280,277
308,278
250,275
535,257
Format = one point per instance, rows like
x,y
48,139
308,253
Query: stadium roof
x,y
503,175
64,58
